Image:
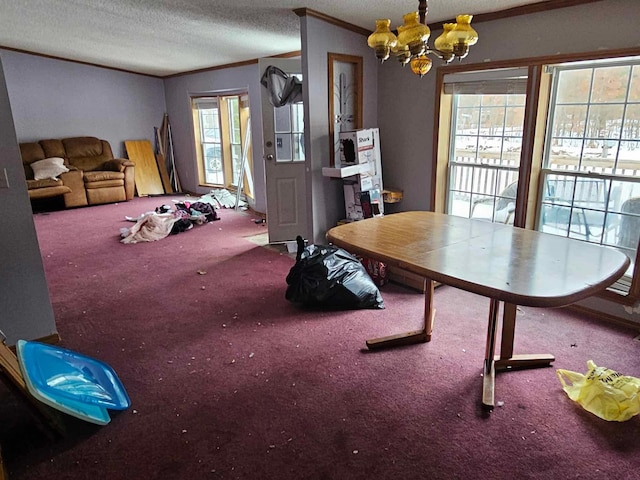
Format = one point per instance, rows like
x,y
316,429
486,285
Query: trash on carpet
x,y
292,247
376,269
168,220
222,198
330,277
603,392
70,382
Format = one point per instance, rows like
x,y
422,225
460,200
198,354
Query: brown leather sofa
x,y
94,175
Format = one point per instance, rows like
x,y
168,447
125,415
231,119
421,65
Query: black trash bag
x,y
329,277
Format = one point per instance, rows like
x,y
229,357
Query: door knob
x,y
269,157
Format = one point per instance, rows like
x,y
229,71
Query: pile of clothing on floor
x,y
167,220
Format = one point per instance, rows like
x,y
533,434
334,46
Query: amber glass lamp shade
x,y
403,55
414,34
463,35
444,43
400,50
420,65
382,40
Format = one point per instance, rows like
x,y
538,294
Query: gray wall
x,y
178,91
325,197
54,99
406,103
318,39
47,98
24,297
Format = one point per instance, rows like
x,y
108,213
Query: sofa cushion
x,y
53,148
44,183
105,184
91,177
83,147
47,192
87,153
48,168
97,196
30,152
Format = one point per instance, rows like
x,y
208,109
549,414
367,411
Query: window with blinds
x,y
220,126
486,139
584,175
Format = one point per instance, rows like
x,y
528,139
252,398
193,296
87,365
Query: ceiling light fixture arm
x,y
423,9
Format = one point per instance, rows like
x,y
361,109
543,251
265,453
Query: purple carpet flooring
x,y
229,380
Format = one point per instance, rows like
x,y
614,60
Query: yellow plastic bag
x,y
603,392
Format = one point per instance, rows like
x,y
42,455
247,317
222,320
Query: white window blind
x,y
487,82
205,103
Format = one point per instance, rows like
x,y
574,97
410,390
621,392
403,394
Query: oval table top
x,y
507,263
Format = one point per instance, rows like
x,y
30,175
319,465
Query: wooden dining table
x,y
511,266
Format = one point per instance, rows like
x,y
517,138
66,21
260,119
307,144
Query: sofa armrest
x,y
128,168
75,181
117,164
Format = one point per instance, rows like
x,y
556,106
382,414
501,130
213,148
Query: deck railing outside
x,y
583,200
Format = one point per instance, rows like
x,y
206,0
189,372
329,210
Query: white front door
x,y
285,164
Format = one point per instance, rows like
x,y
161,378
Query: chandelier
x,y
410,45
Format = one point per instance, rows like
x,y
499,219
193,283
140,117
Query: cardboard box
x,y
404,277
392,195
345,172
356,146
361,204
362,147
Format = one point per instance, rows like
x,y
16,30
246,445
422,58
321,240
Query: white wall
x,y
318,39
178,91
406,103
55,99
24,297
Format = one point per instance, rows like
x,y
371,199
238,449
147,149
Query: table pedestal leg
x,y
416,336
489,372
507,360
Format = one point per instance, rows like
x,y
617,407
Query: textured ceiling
x,y
164,37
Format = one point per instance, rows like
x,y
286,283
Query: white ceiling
x,y
164,37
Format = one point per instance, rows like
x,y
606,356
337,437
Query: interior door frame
x,y
269,155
